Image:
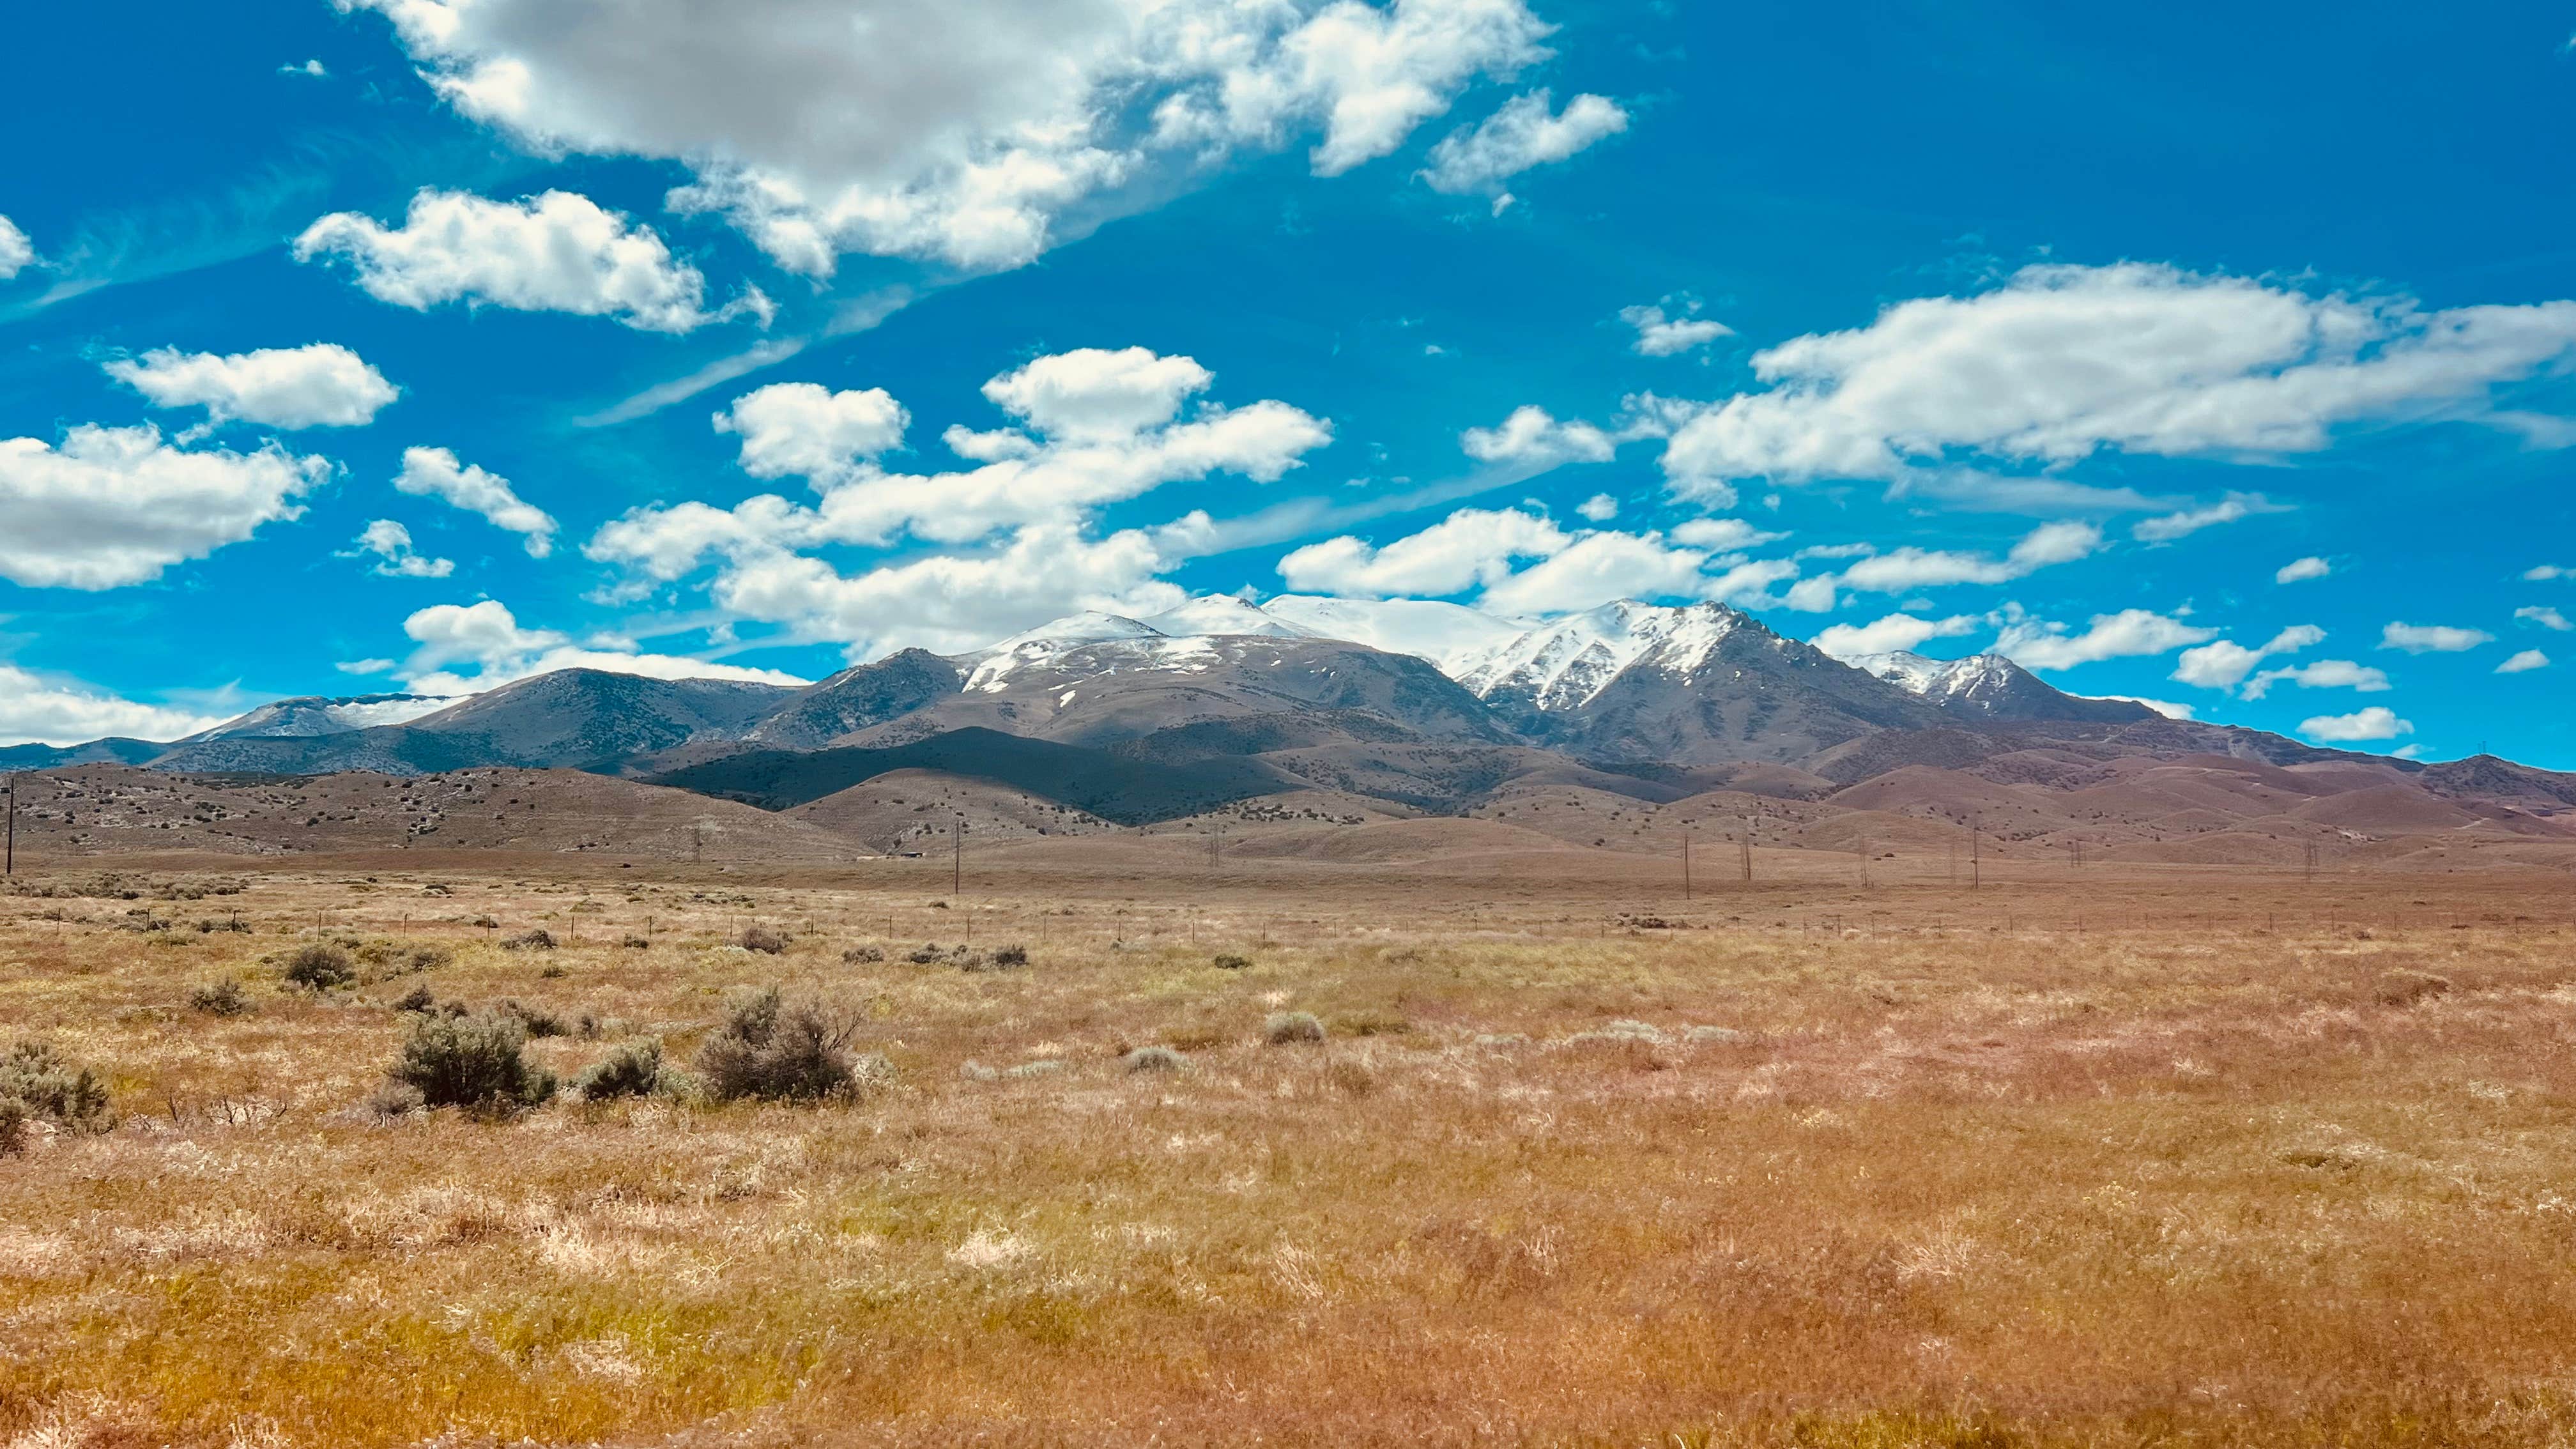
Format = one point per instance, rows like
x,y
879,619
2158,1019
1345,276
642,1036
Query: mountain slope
x,y
1991,687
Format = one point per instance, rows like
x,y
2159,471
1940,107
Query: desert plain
x,y
1396,1146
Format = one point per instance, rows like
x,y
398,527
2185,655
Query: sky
x,y
2226,360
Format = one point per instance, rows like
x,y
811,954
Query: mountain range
x,y
1411,707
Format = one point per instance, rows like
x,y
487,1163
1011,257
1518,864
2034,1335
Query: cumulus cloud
x,y
2322,674
1903,569
1096,428
2524,662
2225,663
1722,535
2232,508
16,252
558,252
953,602
1599,508
2130,633
1532,440
1595,569
389,543
2063,362
2302,569
1471,548
796,429
2432,638
2378,722
488,636
50,710
1890,635
2543,573
975,132
1524,135
322,385
117,506
2546,618
437,473
1659,335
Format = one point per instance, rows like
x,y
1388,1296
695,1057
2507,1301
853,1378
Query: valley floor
x,y
2112,1156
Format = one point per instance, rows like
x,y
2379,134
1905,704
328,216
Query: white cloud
x,y
1523,135
1659,335
16,252
322,385
1104,427
552,253
796,429
1599,508
1595,569
1470,548
50,710
2322,674
117,506
1092,395
487,636
1892,634
972,133
2432,638
2543,573
1722,535
1908,568
2065,361
953,602
2165,707
2378,722
2231,509
1748,585
2130,633
390,543
436,473
2524,662
2297,570
2225,663
1532,440
2546,618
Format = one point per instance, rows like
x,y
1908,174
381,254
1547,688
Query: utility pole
x,y
1976,852
956,858
1748,850
1686,880
12,868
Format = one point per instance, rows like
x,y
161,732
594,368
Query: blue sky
x,y
2222,360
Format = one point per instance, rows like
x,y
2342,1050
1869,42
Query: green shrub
x,y
473,1062
633,1070
321,967
221,998
540,1022
538,939
1285,1028
1156,1059
59,1090
771,1048
1233,963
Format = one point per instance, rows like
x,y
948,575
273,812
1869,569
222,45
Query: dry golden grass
x,y
2220,1168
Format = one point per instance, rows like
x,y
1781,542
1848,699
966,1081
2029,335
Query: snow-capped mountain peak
x,y
1938,679
1221,615
315,715
1566,664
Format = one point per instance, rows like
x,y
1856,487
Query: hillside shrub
x,y
537,939
862,956
475,1062
1156,1059
1233,963
540,1022
764,940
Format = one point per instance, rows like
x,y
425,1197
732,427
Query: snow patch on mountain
x,y
1566,664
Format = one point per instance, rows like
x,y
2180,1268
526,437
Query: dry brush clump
x,y
773,1048
477,1062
